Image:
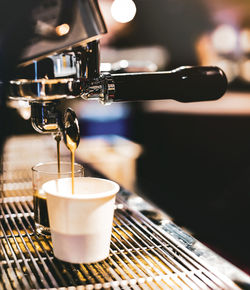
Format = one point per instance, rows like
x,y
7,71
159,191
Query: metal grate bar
x,y
148,242
143,261
126,274
46,274
46,248
110,265
180,254
31,268
116,279
141,257
136,272
42,244
158,263
19,271
10,277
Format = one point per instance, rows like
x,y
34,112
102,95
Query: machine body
x,y
60,60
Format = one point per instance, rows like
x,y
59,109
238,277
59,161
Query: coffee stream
x,y
71,136
58,139
72,147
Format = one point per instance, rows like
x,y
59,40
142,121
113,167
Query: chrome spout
x,y
45,118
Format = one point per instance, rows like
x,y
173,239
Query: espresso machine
x,y
49,53
56,57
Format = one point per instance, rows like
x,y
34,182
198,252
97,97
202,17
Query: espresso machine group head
x,y
60,54
61,61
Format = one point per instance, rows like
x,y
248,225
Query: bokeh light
x,y
123,11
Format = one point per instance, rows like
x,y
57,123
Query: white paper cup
x,y
81,223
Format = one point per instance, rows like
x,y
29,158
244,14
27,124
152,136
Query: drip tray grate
x,y
141,256
147,250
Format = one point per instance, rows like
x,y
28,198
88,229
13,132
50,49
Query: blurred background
x,y
192,160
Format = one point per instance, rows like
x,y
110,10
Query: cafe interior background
x,y
191,159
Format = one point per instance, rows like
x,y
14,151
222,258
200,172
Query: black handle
x,y
185,84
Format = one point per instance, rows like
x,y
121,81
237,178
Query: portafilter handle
x,y
184,84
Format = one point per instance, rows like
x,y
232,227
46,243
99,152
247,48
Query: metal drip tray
x,y
148,251
140,256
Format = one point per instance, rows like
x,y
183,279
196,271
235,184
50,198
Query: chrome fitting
x,y
101,89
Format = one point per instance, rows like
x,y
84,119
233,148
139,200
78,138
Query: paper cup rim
x,y
98,195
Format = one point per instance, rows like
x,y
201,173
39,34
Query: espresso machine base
x,y
148,250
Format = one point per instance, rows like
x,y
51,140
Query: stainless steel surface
x,y
71,132
102,90
148,251
58,25
65,75
47,90
60,76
